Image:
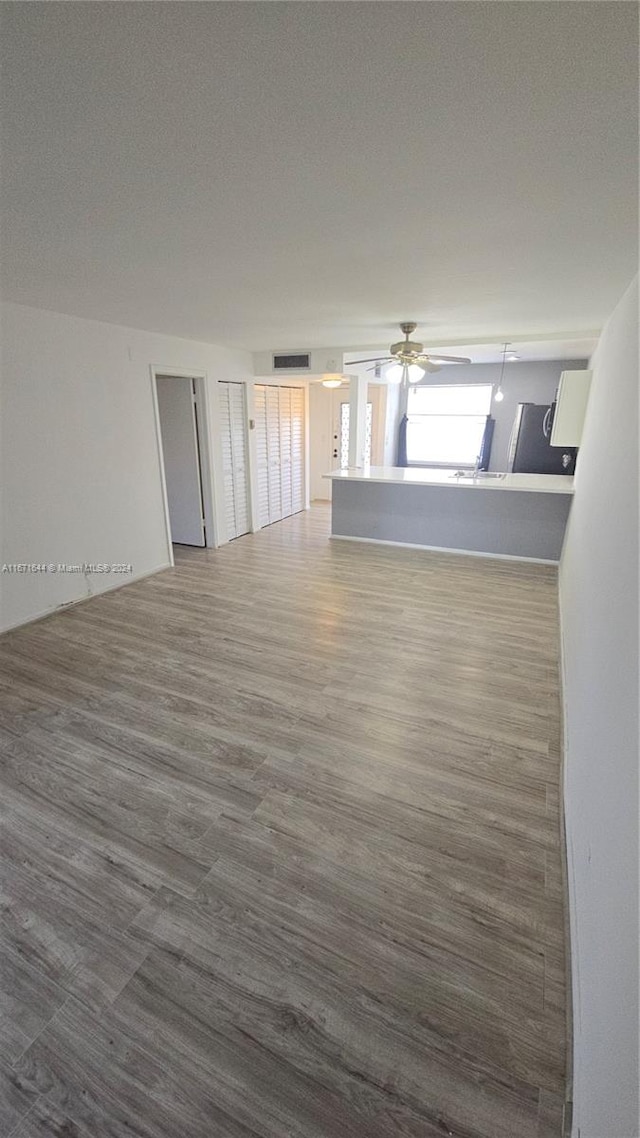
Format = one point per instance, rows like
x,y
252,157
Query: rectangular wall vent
x,y
299,362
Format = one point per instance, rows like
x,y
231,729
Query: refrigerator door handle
x,y
546,424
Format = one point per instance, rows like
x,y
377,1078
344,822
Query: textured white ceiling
x,y
274,175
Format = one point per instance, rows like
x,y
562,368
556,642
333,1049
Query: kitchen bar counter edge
x,y
419,476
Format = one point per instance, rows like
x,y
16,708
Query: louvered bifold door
x,y
227,460
297,449
285,451
234,458
237,418
273,453
262,455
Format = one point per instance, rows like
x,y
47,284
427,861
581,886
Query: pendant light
x,y
499,395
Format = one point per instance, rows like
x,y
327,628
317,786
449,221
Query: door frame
x,y
207,477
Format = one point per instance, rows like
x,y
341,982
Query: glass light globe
x,y
332,381
499,395
415,373
393,374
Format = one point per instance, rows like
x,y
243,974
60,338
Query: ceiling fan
x,y
409,360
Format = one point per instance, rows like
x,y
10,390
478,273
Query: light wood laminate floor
x,y
281,852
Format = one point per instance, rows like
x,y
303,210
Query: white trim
x,y
88,597
207,471
572,961
207,474
163,480
252,456
443,549
307,448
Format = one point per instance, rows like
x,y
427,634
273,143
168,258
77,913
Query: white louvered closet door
x,y
279,415
262,451
297,449
273,453
234,458
285,452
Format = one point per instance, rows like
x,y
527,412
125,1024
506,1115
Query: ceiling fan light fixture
x,y
393,374
415,373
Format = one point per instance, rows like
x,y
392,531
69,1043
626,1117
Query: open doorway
x,y
183,439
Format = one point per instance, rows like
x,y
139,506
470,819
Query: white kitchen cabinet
x,y
571,408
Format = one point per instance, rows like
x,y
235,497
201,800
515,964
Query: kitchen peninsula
x,y
519,516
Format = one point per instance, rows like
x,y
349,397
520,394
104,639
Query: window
x,y
446,424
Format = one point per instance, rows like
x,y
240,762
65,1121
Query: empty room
x,y
319,569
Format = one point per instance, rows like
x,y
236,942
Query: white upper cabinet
x,y
571,408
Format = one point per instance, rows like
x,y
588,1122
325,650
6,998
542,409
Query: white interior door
x,y
321,459
340,432
234,458
180,451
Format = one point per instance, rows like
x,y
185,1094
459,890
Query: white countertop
x,y
421,476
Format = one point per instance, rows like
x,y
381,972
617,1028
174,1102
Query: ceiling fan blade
x,y
429,365
373,360
446,359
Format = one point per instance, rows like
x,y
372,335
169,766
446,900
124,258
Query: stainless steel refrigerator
x,y
530,451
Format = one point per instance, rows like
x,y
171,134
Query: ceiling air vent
x,y
299,362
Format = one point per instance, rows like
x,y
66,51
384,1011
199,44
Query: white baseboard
x,y
443,549
87,597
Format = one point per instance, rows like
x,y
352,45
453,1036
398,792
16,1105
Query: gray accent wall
x,y
599,621
530,382
518,524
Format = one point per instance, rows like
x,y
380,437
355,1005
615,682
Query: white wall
x,y
599,617
320,439
391,424
81,475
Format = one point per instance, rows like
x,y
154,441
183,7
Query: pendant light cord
x,y
504,360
